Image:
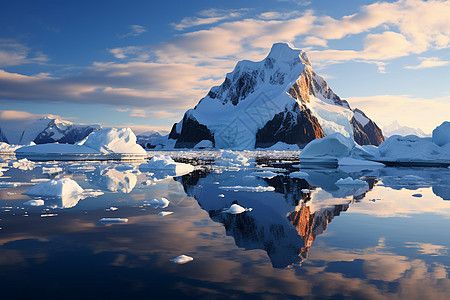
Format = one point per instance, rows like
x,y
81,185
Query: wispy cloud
x,y
13,53
209,16
297,2
429,62
135,30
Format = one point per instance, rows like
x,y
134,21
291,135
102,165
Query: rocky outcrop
x,y
292,126
368,134
3,137
192,132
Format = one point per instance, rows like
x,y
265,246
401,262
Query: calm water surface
x,y
305,238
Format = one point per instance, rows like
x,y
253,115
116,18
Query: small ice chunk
x,y
166,164
10,194
165,213
23,164
182,259
112,208
237,209
306,191
35,203
350,181
159,203
299,175
265,174
248,188
48,215
113,220
221,196
51,170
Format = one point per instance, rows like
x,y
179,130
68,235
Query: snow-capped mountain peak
x,y
278,99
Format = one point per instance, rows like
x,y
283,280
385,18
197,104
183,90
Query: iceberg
x,y
167,165
158,203
441,134
182,259
236,209
55,188
105,144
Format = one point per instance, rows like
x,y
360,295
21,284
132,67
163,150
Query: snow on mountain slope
x,y
49,130
279,99
396,129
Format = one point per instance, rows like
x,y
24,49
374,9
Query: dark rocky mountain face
x,y
294,126
3,137
191,134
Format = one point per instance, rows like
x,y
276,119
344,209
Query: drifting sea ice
x,y
158,203
165,213
113,220
35,203
248,188
167,165
265,174
182,259
351,181
23,164
55,188
299,175
236,209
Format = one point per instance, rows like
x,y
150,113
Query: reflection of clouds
x,y
400,203
219,263
429,249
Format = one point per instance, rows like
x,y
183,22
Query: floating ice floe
x,y
48,215
112,208
113,220
55,188
236,209
35,203
232,159
182,259
22,164
265,174
7,148
158,203
350,181
205,144
109,143
51,170
221,196
166,165
165,213
248,188
299,175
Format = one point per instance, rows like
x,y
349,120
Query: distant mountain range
x,y
147,139
51,130
279,99
396,129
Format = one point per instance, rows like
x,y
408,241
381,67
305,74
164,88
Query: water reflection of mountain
x,y
284,223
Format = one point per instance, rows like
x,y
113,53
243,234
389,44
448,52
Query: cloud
x,y
152,114
209,16
135,30
16,115
429,62
13,53
298,2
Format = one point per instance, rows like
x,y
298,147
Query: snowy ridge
x,y
50,130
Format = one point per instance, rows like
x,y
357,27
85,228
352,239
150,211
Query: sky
x,y
142,64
